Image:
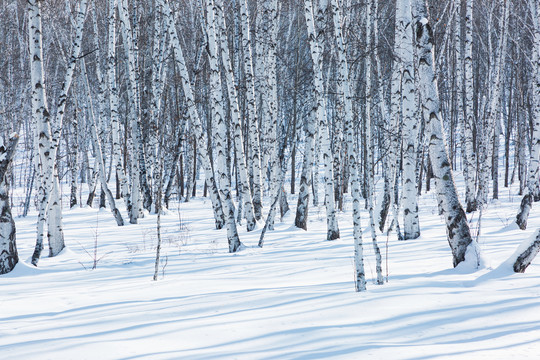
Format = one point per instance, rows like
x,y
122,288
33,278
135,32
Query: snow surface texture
x,y
293,299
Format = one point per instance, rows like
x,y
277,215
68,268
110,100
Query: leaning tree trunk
x,y
180,63
529,251
8,247
458,233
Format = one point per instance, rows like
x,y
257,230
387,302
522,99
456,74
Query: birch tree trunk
x,y
405,54
8,246
100,162
534,162
532,191
50,205
394,125
320,110
493,112
236,124
180,64
345,91
220,133
113,106
458,234
470,155
530,249
138,174
252,112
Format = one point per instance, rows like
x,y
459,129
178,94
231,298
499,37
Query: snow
x,y
292,299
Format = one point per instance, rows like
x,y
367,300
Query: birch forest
x,y
269,108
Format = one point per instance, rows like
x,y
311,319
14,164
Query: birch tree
x,y
113,106
470,155
50,206
345,92
252,112
236,124
320,111
532,192
220,133
457,228
405,54
8,246
180,64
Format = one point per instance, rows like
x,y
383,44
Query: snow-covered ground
x,y
293,299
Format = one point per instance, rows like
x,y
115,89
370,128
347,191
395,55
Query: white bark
x,y
236,123
134,114
252,112
405,54
458,234
193,114
50,207
220,133
100,161
534,163
370,152
8,246
532,191
394,126
493,108
113,106
315,39
527,252
470,155
345,91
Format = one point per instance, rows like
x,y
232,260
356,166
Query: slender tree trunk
x,y
8,246
220,132
196,121
405,53
345,91
470,155
236,123
252,112
458,234
315,38
113,106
